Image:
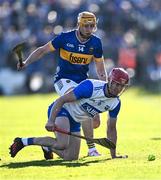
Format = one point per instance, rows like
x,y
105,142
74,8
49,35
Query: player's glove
x,y
50,125
21,66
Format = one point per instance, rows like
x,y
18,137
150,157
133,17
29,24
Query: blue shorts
x,y
74,126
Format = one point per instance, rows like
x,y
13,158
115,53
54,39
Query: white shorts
x,y
64,85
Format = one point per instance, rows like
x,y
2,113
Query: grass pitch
x,y
139,134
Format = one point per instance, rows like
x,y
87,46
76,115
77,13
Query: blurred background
x,y
130,32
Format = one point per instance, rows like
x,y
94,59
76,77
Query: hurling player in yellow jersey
x,y
77,49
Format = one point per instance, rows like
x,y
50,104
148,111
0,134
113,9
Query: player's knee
x,y
96,122
61,146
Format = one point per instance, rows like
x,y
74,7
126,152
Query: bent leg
x,y
87,127
61,142
72,152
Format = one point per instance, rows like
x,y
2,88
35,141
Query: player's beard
x,y
110,93
86,36
115,92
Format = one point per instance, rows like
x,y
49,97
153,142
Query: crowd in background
x,y
130,32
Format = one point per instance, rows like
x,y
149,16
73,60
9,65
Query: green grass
x,y
139,134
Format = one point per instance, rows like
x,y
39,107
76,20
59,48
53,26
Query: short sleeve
x,y
57,42
84,89
115,111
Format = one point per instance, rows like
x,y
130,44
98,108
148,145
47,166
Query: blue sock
x,y
30,141
27,141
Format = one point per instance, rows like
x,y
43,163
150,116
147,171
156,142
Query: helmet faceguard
x,y
87,18
118,81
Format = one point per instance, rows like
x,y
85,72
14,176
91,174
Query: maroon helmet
x,y
118,81
119,75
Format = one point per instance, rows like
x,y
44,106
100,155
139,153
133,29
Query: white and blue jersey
x,y
75,56
91,100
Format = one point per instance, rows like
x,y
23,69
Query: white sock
x,y
92,149
45,148
24,141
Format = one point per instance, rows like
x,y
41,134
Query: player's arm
x,y
100,68
37,54
112,133
69,97
112,130
99,61
52,45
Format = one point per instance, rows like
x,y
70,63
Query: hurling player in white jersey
x,y
82,103
77,49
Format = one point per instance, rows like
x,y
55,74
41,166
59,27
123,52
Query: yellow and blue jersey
x,y
75,56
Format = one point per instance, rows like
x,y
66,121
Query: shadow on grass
x,y
44,163
156,138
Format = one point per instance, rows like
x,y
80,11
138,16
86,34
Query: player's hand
x,y
50,125
21,66
119,157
